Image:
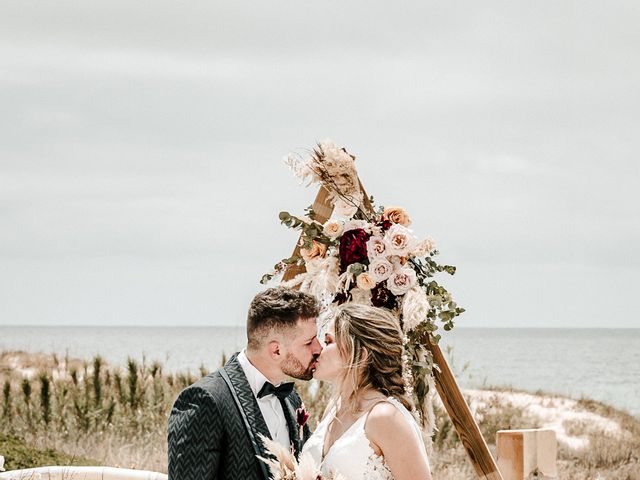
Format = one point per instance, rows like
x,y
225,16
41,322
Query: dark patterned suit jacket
x,y
207,434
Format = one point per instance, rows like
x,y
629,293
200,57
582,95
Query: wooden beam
x,y
462,419
323,210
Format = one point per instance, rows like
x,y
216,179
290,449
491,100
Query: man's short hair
x,y
280,309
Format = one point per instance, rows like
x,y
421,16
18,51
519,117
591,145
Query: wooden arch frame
x,y
446,385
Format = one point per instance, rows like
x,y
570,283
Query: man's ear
x,y
273,349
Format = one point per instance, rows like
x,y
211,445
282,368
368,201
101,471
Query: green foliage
x,y
6,399
45,397
19,455
97,384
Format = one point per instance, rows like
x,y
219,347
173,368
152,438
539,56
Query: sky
x,y
141,148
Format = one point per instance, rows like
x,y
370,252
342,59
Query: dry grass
x,y
118,416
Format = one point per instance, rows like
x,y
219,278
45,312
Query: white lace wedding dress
x,y
351,455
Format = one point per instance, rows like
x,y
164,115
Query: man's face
x,y
301,350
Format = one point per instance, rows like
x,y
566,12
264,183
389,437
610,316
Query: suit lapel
x,y
247,400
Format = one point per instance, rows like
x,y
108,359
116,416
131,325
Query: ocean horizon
x,y
595,363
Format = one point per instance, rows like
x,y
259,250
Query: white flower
x,y
401,281
375,247
354,224
380,269
344,209
301,169
399,240
361,296
322,275
424,247
332,229
1,463
414,308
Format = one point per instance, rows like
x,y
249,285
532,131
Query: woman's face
x,y
330,363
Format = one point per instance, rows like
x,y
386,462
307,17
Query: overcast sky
x,y
141,148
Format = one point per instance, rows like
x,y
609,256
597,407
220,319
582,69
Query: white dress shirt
x,y
269,404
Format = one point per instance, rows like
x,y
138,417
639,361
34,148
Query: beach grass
x,y
63,411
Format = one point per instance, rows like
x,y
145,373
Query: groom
x,y
215,423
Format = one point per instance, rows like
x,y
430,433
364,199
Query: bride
x,y
368,431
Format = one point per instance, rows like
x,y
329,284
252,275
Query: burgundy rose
x,y
385,225
382,297
353,247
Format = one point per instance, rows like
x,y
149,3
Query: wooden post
x,y
525,452
462,419
446,385
323,210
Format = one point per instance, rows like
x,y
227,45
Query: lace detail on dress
x,y
377,468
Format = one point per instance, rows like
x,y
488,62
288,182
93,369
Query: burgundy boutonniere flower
x,y
301,419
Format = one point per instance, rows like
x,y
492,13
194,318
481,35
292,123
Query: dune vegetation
x,y
66,411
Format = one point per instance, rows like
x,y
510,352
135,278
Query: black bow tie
x,y
282,391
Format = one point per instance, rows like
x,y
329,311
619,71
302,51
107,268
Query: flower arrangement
x,y
367,254
283,465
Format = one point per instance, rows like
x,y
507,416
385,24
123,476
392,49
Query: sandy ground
x,y
553,412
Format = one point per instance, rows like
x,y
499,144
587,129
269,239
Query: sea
x,y
598,364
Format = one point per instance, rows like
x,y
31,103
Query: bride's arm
x,y
391,434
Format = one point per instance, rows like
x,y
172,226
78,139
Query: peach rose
x,y
365,282
317,250
396,215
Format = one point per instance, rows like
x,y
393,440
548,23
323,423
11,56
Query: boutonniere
x,y
301,419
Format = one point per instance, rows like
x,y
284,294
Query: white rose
x,y
375,247
401,281
332,229
424,248
400,240
380,269
344,209
415,308
354,224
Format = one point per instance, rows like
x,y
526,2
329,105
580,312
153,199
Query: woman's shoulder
x,y
386,420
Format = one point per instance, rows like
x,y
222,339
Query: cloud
x,y
153,131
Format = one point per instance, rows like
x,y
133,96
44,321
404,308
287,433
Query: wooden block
x,y
524,452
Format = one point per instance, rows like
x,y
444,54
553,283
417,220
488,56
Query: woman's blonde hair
x,y
370,340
